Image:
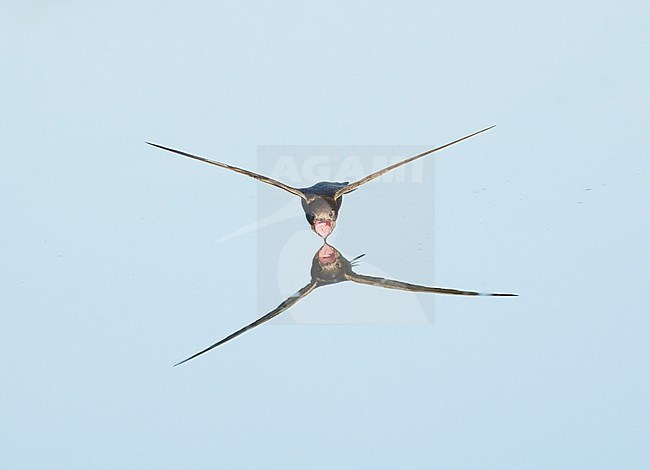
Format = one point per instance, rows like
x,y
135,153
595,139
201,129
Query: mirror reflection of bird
x,y
330,267
322,201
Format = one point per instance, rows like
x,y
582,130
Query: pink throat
x,y
323,228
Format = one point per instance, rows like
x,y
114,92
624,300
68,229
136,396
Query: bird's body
x,y
324,189
321,206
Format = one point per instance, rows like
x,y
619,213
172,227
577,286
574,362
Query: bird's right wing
x,y
280,308
262,178
391,284
352,186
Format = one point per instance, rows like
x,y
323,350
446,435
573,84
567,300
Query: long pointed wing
x,y
280,308
391,284
262,178
377,174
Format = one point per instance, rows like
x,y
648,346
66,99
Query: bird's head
x,y
321,215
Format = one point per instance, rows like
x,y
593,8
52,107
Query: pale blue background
x,y
109,270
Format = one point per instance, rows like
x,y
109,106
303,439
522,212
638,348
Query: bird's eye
x,y
311,217
339,265
332,215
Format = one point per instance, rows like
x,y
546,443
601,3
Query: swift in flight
x,y
322,201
